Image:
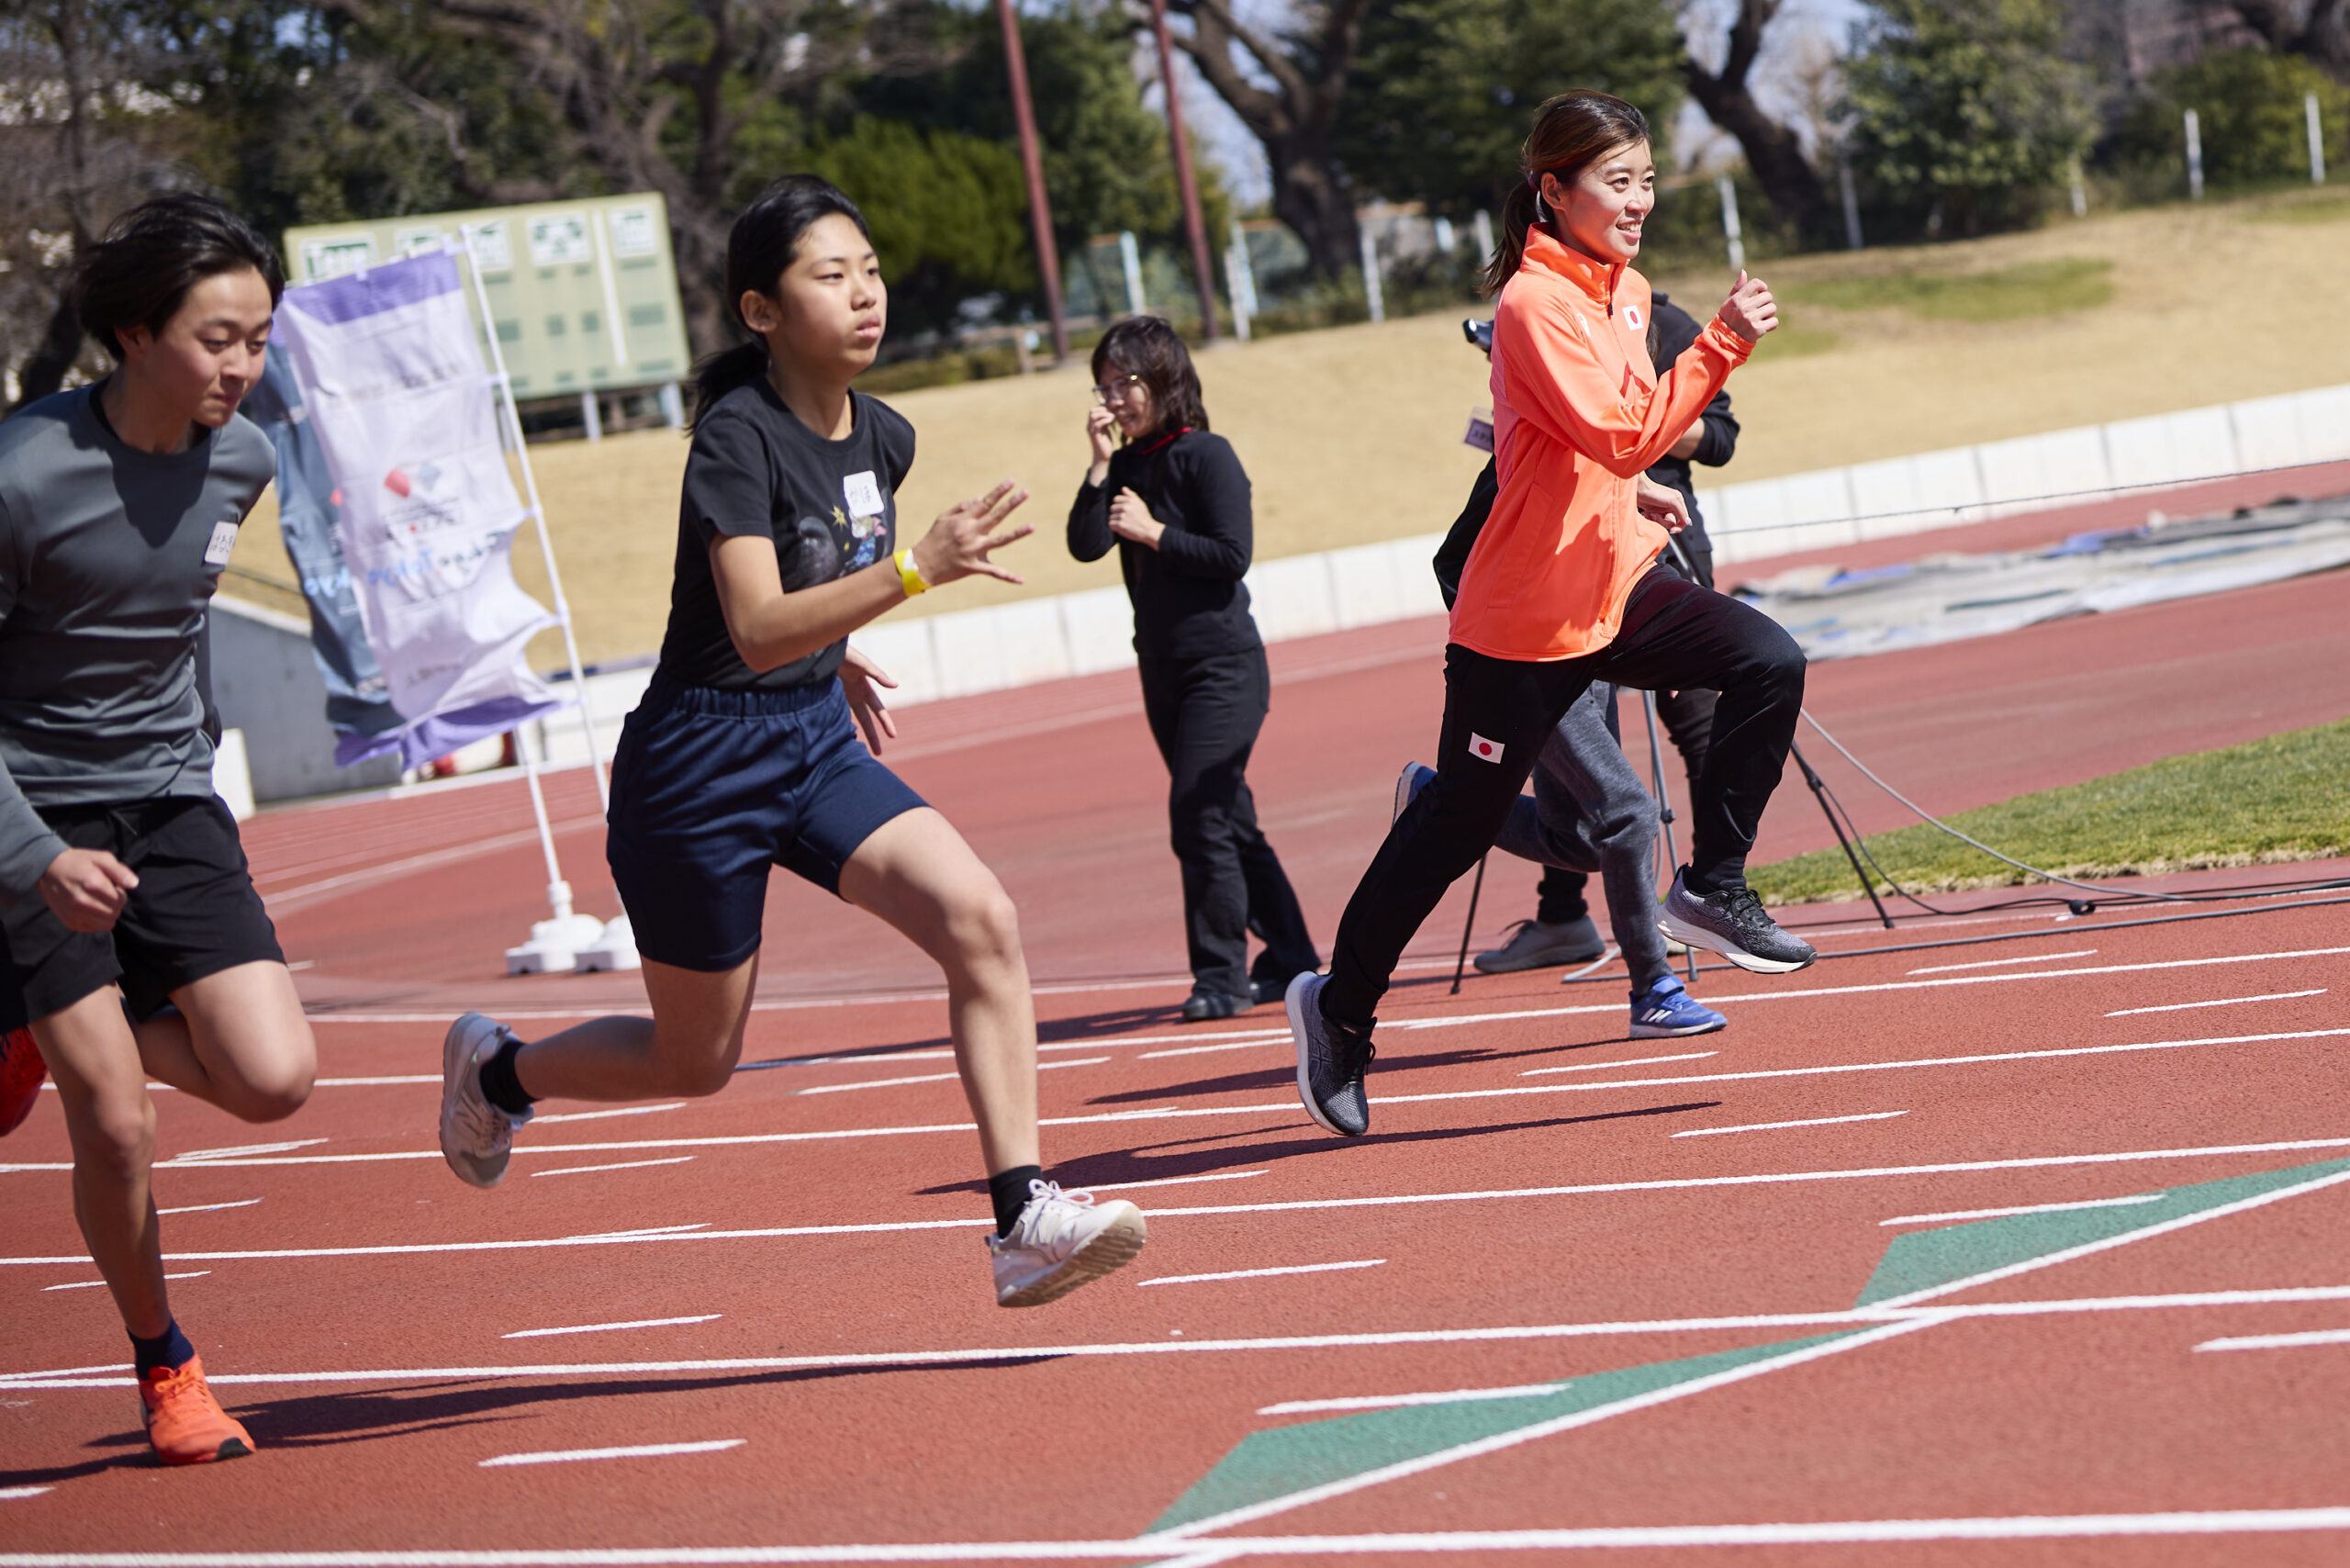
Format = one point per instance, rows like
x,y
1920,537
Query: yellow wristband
x,y
909,575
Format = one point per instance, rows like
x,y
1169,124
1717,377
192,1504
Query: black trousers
x,y
1204,714
1687,715
1499,713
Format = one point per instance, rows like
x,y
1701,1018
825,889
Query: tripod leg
x,y
1665,808
1462,966
1819,793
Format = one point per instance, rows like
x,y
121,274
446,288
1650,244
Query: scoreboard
x,y
583,294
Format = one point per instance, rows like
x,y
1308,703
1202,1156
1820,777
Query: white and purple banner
x,y
393,387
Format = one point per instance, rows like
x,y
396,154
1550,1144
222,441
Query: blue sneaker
x,y
1666,1010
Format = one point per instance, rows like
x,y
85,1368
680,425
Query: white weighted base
x,y
555,944
615,949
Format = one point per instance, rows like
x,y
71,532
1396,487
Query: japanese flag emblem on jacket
x,y
1479,746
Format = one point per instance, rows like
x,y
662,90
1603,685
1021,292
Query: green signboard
x,y
584,293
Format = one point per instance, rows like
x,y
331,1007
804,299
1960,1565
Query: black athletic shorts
x,y
193,912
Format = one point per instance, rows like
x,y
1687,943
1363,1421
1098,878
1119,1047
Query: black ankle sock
x,y
500,1086
1698,886
1008,1190
169,1348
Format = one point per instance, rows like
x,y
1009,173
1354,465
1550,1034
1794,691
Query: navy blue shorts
x,y
711,787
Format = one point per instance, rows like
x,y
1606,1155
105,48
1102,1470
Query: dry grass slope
x,y
1353,435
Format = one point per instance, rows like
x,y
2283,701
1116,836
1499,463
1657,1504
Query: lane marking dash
x,y
2222,1002
609,1327
641,1450
1807,1122
1262,1273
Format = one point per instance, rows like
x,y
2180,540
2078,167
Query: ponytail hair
x,y
763,243
1570,132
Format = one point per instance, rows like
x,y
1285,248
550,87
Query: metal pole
x,y
1819,792
1031,164
2194,157
1665,808
1371,294
1195,227
2317,139
1462,966
513,419
1852,206
1730,223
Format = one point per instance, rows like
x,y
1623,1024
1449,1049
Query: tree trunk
x,y
1315,206
44,369
1772,151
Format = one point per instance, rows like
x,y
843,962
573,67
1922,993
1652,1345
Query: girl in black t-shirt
x,y
744,753
1174,500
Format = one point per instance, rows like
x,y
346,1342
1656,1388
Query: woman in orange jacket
x,y
1562,587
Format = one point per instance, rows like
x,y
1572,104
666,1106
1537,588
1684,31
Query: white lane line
x,y
641,1450
97,1284
372,1082
210,1208
1165,1182
624,1165
888,1057
1396,1401
1679,1183
599,1116
2278,1342
1500,1441
936,1077
1262,1273
1434,1544
72,1372
1604,1066
1807,1122
1202,1050
17,1493
242,1151
2026,1209
611,1328
2222,1002
2295,1295
1289,1106
2003,963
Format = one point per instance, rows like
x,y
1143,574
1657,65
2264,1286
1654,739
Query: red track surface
x,y
1104,1409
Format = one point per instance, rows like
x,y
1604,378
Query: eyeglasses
x,y
1110,392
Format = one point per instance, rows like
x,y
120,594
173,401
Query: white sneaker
x,y
475,1135
1060,1241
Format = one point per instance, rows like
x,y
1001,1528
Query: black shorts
x,y
193,912
711,788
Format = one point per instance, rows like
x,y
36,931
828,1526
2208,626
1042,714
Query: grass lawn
x,y
2284,798
2025,289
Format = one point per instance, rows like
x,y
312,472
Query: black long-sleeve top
x,y
1188,598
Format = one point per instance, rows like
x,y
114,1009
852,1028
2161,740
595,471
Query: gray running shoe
x,y
475,1135
1732,922
1534,945
1330,1061
1408,783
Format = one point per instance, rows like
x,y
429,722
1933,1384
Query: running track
x,y
1735,1291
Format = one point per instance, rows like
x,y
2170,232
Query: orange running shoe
x,y
184,1423
21,1070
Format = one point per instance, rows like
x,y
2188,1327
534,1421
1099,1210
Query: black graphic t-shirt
x,y
830,506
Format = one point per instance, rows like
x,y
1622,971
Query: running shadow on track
x,y
1146,1162
1117,1021
320,1420
1285,1075
136,1455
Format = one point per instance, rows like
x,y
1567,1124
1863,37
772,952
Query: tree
x,y
1966,106
83,142
2316,28
1775,153
1295,117
1443,91
947,212
2249,102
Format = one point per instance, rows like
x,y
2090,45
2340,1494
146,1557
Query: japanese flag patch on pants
x,y
1479,746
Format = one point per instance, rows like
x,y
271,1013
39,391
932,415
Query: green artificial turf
x,y
2284,798
2027,288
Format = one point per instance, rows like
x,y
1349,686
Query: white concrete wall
x,y
963,653
266,681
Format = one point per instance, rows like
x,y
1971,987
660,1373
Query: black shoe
x,y
1731,921
1202,1006
1331,1059
1273,987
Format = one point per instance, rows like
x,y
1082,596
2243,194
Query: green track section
x,y
1286,1460
1924,1259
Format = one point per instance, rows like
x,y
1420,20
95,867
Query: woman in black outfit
x,y
1174,500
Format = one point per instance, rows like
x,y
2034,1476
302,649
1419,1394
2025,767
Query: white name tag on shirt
x,y
864,493
224,539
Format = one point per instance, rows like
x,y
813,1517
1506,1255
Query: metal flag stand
x,y
567,939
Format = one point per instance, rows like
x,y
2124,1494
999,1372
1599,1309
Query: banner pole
x,y
511,418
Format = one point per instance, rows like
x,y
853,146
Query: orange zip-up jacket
x,y
1578,413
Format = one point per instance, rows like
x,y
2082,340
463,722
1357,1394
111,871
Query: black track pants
x,y
1498,713
1204,714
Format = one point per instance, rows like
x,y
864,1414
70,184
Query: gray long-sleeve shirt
x,y
108,556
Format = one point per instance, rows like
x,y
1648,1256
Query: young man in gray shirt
x,y
132,942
